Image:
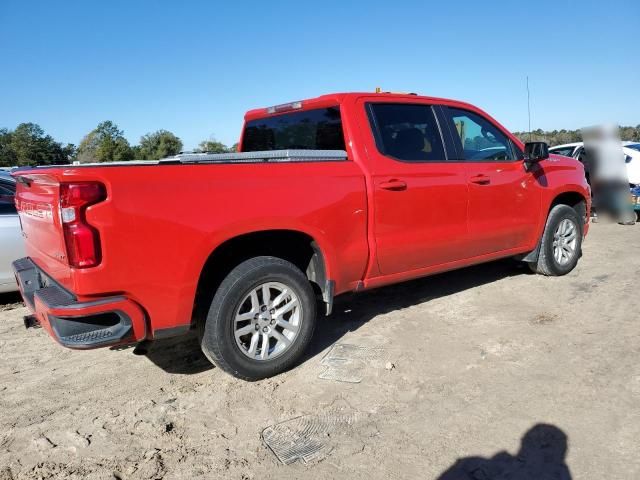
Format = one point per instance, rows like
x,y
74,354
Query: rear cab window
x,y
406,132
317,129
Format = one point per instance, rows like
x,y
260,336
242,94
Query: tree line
x,y
28,145
560,137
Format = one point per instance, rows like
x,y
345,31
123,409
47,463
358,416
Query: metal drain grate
x,y
355,352
307,438
349,363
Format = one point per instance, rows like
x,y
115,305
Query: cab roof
x,y
338,98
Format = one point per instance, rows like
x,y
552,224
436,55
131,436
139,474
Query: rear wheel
x,y
261,319
561,244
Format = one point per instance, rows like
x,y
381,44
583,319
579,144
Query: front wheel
x,y
561,244
261,319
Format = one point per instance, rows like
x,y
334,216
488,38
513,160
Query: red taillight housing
x,y
81,239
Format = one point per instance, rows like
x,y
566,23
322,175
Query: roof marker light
x,y
285,107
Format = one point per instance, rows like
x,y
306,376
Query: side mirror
x,y
535,152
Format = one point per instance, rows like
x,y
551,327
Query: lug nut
x,y
263,308
272,311
273,322
257,327
265,329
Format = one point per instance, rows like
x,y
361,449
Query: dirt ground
x,y
475,362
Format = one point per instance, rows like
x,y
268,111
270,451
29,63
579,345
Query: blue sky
x,y
195,67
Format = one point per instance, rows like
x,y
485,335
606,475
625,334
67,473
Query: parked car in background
x,y
330,195
568,149
632,149
11,241
631,152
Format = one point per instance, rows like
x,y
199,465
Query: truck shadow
x,y
179,355
351,311
10,300
182,355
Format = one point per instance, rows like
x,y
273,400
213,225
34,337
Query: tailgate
x,y
38,203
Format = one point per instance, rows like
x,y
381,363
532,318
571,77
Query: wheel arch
x,y
295,246
572,198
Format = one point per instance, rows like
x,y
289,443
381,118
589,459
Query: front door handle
x,y
394,185
481,180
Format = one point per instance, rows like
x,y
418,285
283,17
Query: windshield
x,y
319,129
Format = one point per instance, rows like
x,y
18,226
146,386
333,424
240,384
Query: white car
x,y
632,149
631,152
11,241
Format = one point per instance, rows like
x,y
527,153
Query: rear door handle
x,y
481,180
394,185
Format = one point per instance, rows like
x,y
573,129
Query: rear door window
x,y
319,129
406,132
477,138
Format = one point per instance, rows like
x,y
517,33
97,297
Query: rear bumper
x,y
98,322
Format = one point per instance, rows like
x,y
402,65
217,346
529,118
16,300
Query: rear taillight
x,y
81,239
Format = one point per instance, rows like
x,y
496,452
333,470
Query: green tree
x,y
212,146
136,152
106,143
157,145
630,133
28,145
70,152
7,154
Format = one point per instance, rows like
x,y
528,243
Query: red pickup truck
x,y
335,194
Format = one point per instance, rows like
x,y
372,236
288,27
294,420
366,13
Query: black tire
x,y
547,263
217,335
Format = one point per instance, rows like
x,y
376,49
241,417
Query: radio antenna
x,y
529,107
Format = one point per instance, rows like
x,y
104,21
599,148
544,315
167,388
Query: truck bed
x,y
158,225
270,156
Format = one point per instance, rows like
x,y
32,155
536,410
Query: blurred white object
x,y
608,172
604,150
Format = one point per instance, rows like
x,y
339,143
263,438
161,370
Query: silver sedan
x,y
11,242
